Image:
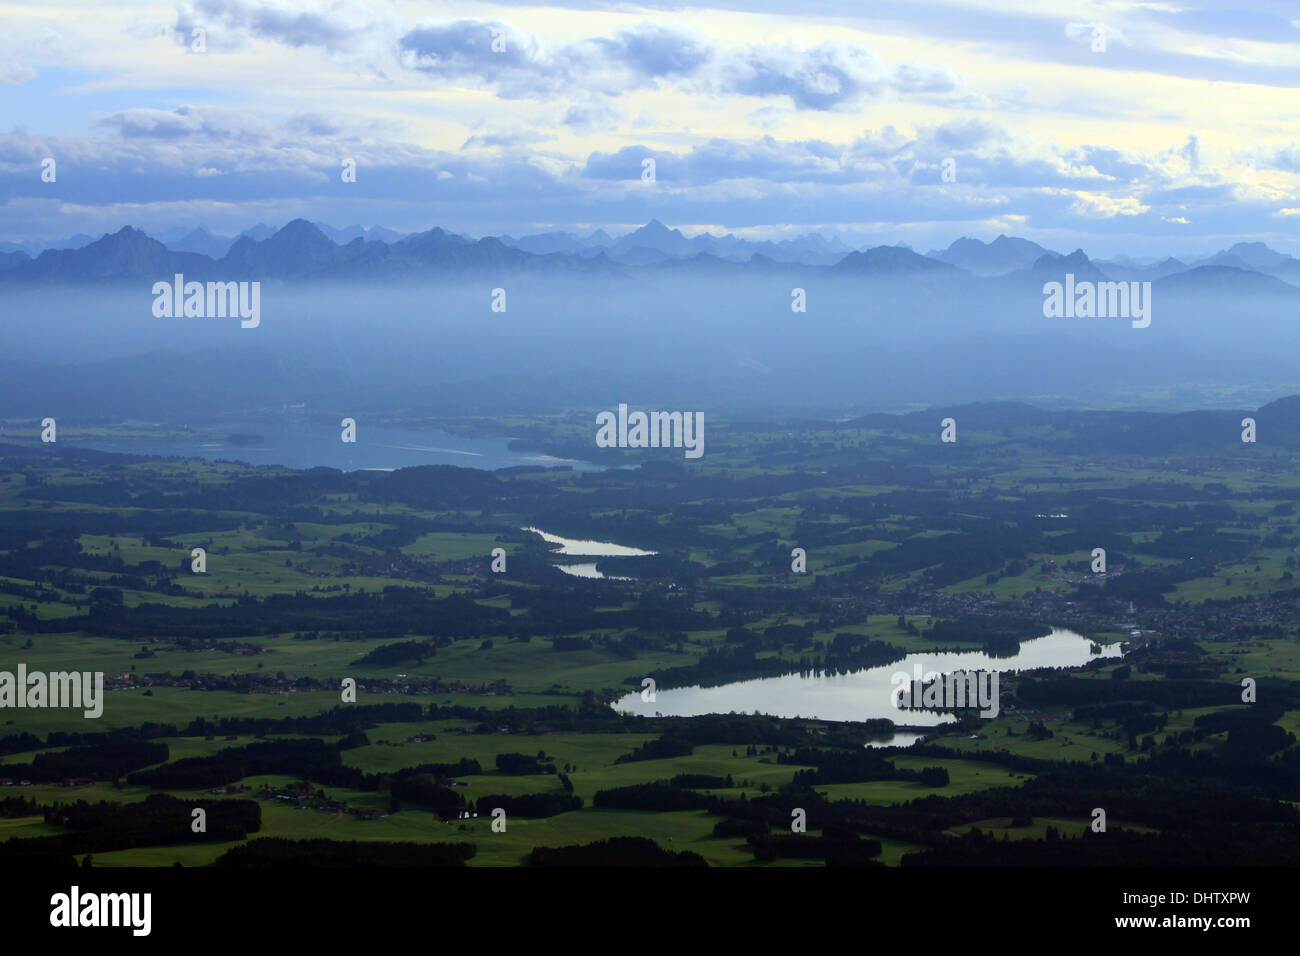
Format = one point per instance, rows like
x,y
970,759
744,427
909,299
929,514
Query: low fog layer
x,y
1216,337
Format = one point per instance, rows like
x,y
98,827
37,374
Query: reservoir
x,y
306,444
577,547
861,695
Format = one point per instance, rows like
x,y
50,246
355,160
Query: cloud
x,y
338,27
1096,36
23,44
962,134
473,48
984,153
1286,158
820,79
11,71
1100,206
148,155
505,139
653,50
720,160
832,76
829,76
206,123
518,65
598,114
1113,164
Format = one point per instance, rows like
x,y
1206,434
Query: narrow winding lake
x,y
863,695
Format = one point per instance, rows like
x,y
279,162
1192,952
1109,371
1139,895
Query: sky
x,y
1138,128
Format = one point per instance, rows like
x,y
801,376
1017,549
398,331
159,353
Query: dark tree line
x,y
158,820
616,851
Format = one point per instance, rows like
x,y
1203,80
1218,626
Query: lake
x,y
578,547
862,695
310,444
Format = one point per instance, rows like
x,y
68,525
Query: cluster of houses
x,y
303,796
489,728
230,788
65,782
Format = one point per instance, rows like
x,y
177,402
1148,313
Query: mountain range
x,y
306,250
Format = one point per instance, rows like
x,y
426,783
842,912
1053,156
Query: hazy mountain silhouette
x,y
1213,281
1054,267
1004,254
302,250
654,242
1127,271
201,241
889,260
127,253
